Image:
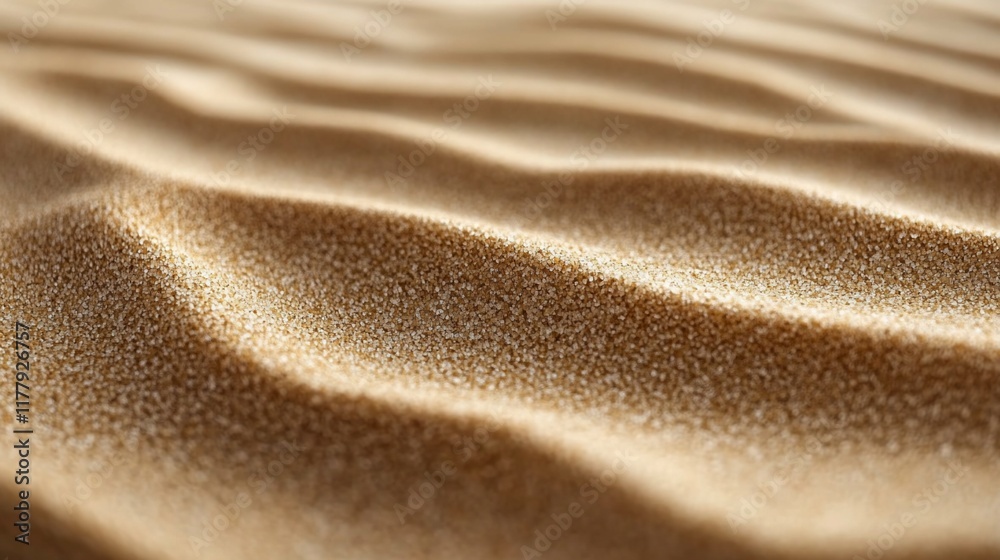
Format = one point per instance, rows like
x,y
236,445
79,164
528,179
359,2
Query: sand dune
x,y
508,280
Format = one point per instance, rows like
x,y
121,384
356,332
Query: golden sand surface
x,y
563,280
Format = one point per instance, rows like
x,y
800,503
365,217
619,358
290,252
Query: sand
x,y
598,279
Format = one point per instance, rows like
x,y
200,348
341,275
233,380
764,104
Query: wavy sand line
x,y
803,327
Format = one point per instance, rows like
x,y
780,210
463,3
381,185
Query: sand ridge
x,y
302,295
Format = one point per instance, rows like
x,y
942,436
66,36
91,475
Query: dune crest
x,y
504,279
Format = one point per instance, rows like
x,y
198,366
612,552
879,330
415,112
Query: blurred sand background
x,y
427,279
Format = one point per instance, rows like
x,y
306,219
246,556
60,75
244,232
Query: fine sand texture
x,y
590,279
